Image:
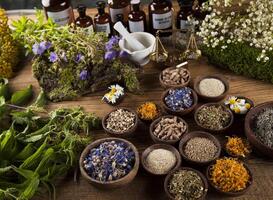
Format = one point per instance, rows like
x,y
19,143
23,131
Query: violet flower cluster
x,y
112,49
109,161
40,49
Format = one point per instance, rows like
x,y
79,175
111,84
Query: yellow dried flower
x,y
229,175
148,111
8,49
237,146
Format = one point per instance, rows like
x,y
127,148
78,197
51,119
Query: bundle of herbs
x,y
38,149
69,63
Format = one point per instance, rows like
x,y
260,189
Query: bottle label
x,y
89,29
136,26
103,28
61,18
162,21
115,11
184,24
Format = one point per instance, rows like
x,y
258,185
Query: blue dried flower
x,y
84,75
109,161
179,99
53,57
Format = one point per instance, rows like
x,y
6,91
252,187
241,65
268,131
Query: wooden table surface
x,y
144,186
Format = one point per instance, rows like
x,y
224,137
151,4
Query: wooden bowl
x,y
211,130
247,100
166,86
169,176
194,134
127,133
158,140
236,156
233,194
182,112
109,184
208,98
160,146
150,121
249,125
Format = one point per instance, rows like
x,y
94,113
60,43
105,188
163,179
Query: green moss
x,y
241,59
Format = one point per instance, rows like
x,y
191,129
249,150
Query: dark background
x,y
30,4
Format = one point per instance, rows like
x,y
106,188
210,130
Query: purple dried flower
x,y
111,43
45,45
84,75
123,54
79,58
37,49
110,55
53,57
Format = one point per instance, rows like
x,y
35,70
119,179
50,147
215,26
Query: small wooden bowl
x,y
233,194
247,100
169,176
249,126
236,156
150,121
109,184
182,112
166,86
194,134
160,146
210,130
127,133
158,140
208,98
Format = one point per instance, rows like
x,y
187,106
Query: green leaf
x,y
26,152
3,107
22,97
41,100
4,88
33,161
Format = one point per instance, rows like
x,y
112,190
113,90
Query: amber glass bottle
x,y
182,17
83,20
102,19
60,11
137,18
119,7
160,14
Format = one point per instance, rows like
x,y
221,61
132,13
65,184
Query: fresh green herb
x,y
35,150
22,97
67,62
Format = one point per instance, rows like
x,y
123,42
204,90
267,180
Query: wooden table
x,y
144,186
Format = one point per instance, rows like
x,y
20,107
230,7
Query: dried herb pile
x,y
35,150
229,175
69,63
9,51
